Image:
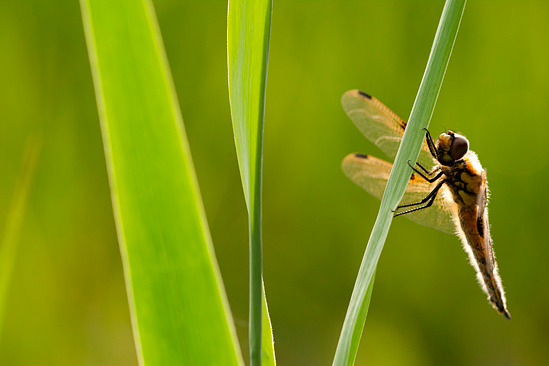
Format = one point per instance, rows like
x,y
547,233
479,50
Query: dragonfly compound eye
x,y
459,148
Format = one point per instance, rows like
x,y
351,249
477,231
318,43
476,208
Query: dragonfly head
x,y
451,147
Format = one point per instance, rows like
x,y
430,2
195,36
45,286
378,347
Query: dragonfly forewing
x,y
380,124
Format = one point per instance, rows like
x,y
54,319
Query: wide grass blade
x,y
409,150
248,34
179,310
15,217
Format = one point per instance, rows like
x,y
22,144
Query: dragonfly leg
x,y
430,143
415,209
428,172
423,168
430,180
430,198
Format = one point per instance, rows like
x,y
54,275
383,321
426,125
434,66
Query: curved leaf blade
x,y
179,311
248,35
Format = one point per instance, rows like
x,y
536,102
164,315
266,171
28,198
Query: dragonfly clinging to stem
x,y
447,189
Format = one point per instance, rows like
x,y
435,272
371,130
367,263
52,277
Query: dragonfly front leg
x,y
430,180
431,144
430,198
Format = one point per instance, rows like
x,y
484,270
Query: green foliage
x,y
67,304
400,174
249,30
179,311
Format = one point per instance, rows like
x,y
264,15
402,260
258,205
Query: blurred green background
x,y
67,303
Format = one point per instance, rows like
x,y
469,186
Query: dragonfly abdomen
x,y
478,243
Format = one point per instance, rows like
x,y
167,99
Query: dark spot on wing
x,y
480,227
364,94
361,156
413,177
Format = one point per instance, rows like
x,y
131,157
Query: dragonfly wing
x,y
372,174
379,124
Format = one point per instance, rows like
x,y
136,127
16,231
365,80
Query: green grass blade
x,y
409,150
267,341
16,215
179,310
248,34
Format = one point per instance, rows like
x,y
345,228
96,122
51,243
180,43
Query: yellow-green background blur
x,y
67,303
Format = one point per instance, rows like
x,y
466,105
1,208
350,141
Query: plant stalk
x,y
408,151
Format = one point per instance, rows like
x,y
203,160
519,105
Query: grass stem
x,y
248,37
409,150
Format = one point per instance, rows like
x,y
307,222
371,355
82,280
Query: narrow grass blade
x,y
178,306
248,34
16,215
409,150
267,341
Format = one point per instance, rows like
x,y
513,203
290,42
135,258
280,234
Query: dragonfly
x,y
447,189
